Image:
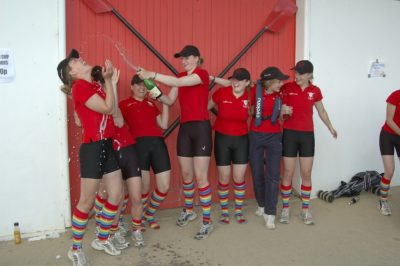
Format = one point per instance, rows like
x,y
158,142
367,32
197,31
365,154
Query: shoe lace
x,y
109,245
79,257
204,229
183,216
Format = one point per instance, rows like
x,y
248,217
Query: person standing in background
x,y
300,97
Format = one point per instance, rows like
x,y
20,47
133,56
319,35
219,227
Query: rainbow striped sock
x,y
79,222
107,216
188,193
285,194
205,202
144,204
113,228
98,206
305,197
156,199
136,224
240,191
385,185
223,194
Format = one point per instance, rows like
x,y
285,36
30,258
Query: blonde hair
x,y
67,88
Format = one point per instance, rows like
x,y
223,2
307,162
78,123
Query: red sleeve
x,y
318,95
203,75
156,109
82,91
216,97
394,98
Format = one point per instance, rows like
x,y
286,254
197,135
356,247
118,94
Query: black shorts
x,y
128,162
388,142
97,158
231,149
194,139
153,152
300,143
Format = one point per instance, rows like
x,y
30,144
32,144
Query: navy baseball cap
x,y
303,66
188,50
240,74
62,66
273,73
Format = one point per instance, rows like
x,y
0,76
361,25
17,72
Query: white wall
x,y
33,155
341,38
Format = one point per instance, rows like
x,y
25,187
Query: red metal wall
x,y
220,28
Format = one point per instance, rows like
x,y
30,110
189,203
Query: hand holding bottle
x,y
154,91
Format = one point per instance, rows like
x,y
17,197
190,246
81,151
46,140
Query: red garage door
x,y
220,28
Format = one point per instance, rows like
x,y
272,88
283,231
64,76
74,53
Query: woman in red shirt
x,y
389,140
231,144
94,108
145,120
194,142
299,97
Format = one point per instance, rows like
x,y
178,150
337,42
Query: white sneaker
x,y
259,211
307,218
285,216
186,217
384,208
119,241
269,221
205,231
122,229
78,258
137,237
107,246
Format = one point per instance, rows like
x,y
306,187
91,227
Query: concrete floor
x,y
344,235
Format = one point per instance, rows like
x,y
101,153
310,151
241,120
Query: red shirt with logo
x,y
141,117
123,137
232,112
266,125
96,126
302,102
194,99
394,99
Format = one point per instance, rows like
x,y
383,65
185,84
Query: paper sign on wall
x,y
7,71
377,70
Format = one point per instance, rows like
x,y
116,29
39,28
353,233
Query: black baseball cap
x,y
303,66
62,66
240,74
273,73
136,80
188,50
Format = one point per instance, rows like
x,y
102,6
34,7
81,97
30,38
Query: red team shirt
x,y
232,112
394,99
122,137
194,99
266,125
302,102
141,117
96,126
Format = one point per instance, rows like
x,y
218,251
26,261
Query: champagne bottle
x,y
17,234
152,88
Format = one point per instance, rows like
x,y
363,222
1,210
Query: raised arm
x,y
221,81
323,114
117,116
107,105
162,119
170,98
171,81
